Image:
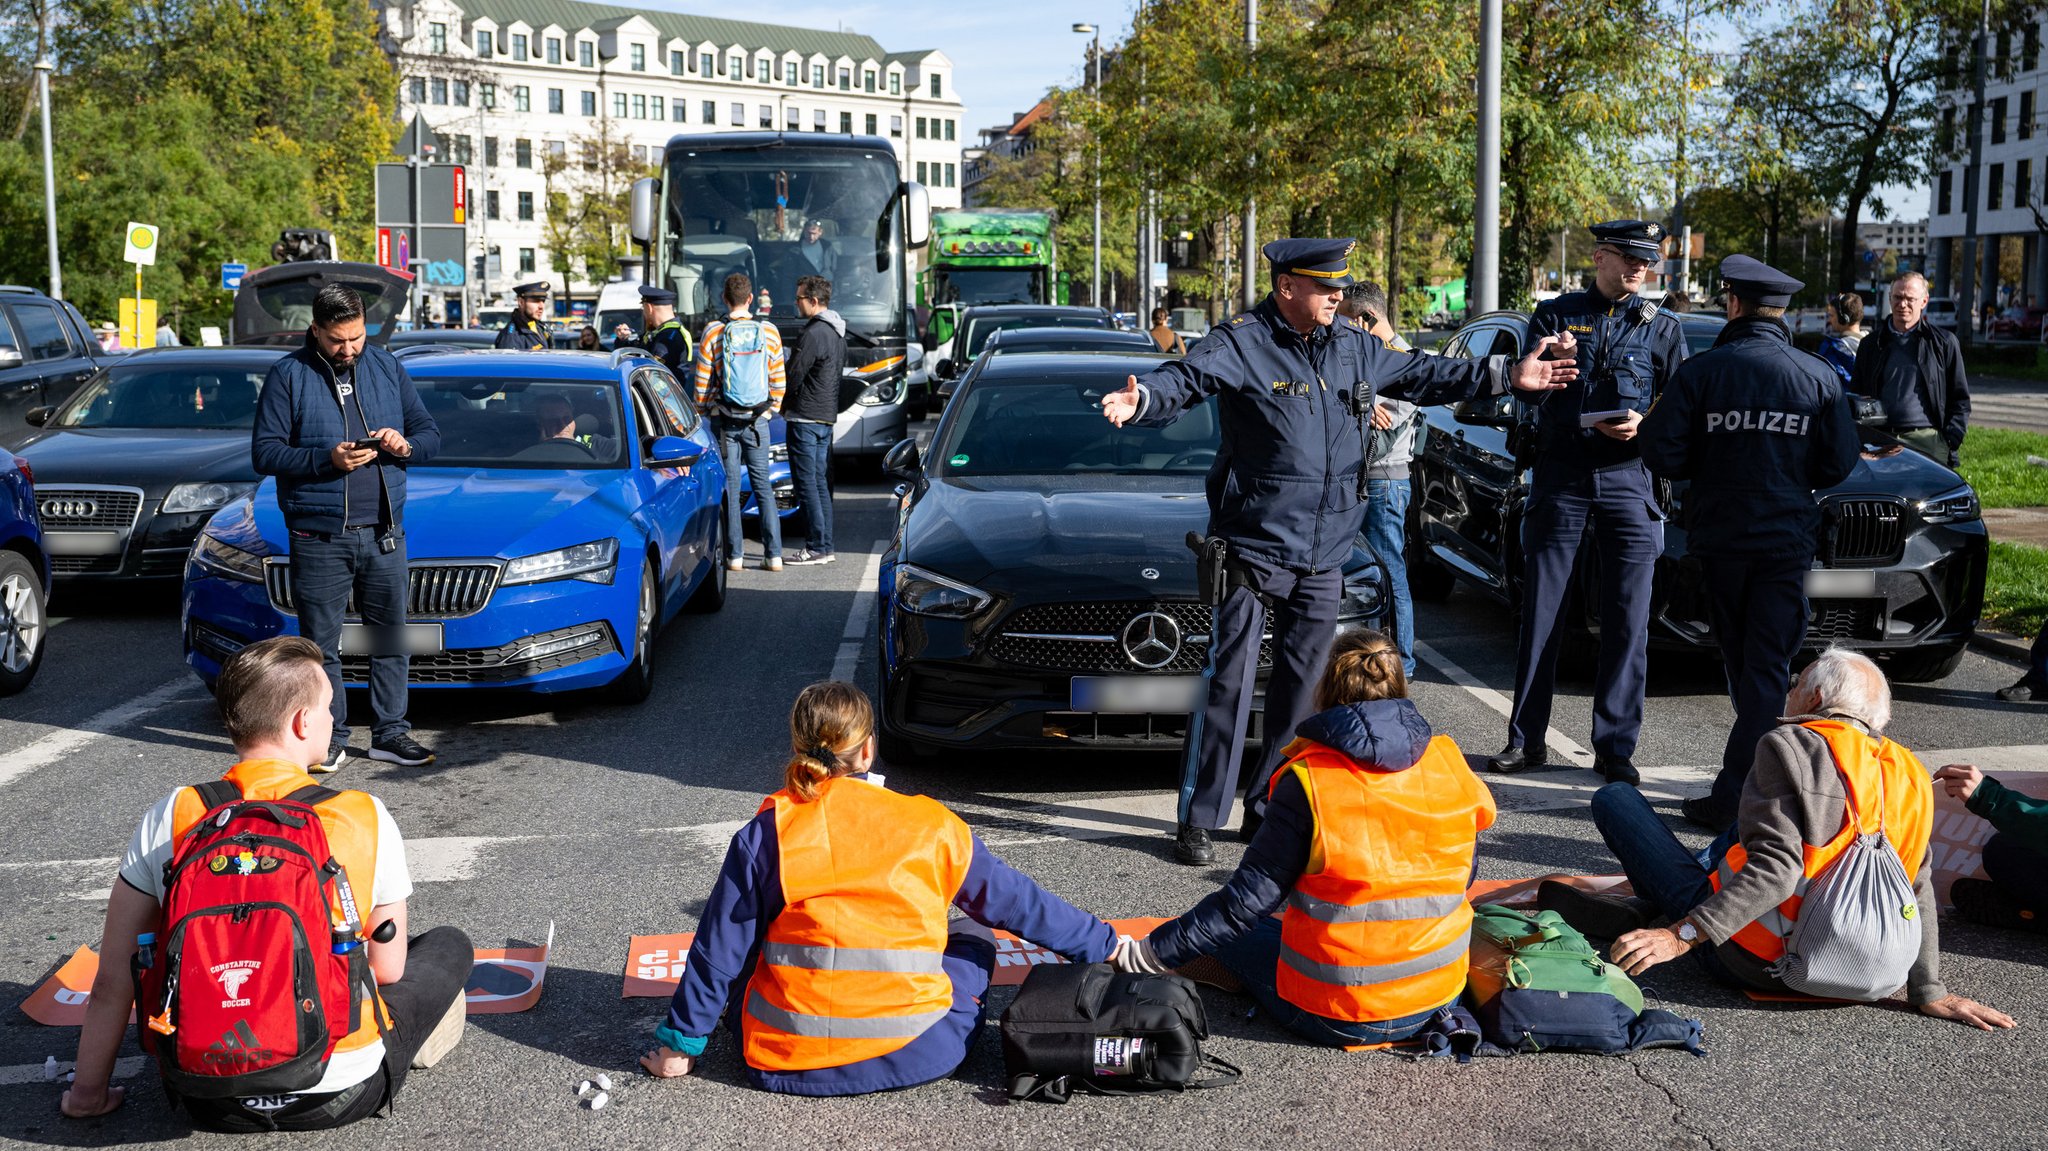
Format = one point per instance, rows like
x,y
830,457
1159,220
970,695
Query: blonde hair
x,y
1364,665
828,724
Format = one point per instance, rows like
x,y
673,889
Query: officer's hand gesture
x,y
1122,406
1537,374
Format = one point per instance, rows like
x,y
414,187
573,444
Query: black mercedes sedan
x,y
1039,590
1900,575
134,464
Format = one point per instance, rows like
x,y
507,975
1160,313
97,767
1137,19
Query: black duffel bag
x,y
1092,1027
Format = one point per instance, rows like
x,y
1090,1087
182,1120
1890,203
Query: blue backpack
x,y
743,368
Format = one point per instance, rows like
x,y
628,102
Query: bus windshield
x,y
778,212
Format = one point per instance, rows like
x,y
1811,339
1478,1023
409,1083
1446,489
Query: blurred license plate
x,y
1836,584
1137,694
416,638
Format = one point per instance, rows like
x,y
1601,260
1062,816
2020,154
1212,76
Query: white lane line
x,y
59,745
1560,743
853,636
33,1072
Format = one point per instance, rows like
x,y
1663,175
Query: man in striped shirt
x,y
739,381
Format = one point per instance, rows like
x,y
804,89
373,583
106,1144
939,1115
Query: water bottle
x,y
1120,1055
145,950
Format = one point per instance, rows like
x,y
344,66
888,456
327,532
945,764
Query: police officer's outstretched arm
x,y
1430,380
1173,387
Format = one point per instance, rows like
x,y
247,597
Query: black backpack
x,y
1108,1032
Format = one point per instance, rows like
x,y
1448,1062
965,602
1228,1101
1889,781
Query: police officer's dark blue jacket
x,y
1758,426
1284,487
1626,347
299,420
521,335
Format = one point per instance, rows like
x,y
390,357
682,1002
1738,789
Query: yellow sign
x,y
141,244
137,336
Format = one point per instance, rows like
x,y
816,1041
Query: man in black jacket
x,y
809,409
1916,370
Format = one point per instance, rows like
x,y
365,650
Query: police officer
x,y
525,331
665,336
1757,426
1295,385
1587,469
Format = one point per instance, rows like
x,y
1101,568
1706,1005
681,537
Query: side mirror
x,y
1485,413
917,211
947,368
646,194
10,356
902,462
1869,411
673,452
37,417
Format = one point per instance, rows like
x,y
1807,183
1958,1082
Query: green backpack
x,y
1538,985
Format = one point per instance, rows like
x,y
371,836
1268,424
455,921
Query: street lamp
x,y
43,68
1095,93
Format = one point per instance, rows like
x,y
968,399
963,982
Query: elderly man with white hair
x,y
1735,905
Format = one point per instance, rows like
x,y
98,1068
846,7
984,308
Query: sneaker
x,y
2025,691
736,564
1984,902
1191,846
1514,759
807,556
1703,812
772,564
445,1035
401,749
1606,917
337,755
1617,769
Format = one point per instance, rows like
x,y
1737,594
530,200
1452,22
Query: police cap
x,y
1638,238
1328,262
1758,282
538,290
649,294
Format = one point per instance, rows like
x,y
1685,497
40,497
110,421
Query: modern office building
x,y
2011,218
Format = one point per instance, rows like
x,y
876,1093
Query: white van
x,y
618,302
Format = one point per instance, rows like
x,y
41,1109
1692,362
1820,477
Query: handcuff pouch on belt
x,y
1217,571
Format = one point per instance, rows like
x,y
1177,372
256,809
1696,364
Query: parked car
x,y
541,564
975,325
2019,322
24,577
274,305
1900,575
46,351
1039,591
1941,312
133,465
1018,341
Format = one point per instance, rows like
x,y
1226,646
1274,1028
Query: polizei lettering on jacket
x,y
1786,423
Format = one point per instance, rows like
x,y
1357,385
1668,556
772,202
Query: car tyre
x,y
1926,665
24,622
710,595
636,683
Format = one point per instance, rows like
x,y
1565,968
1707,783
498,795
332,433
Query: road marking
x,y
33,1072
1560,743
59,745
853,636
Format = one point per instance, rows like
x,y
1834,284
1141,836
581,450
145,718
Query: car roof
x,y
456,363
1010,339
237,355
985,310
447,337
1049,367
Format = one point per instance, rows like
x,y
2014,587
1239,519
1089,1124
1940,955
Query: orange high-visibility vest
x,y
1888,789
350,821
1378,926
851,969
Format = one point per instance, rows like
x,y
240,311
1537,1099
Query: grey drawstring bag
x,y
1858,931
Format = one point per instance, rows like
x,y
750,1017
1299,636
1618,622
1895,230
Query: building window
x,y
2030,47
490,152
522,153
657,108
1946,192
518,46
458,148
677,60
639,153
867,80
845,79
676,110
491,205
896,126
586,54
522,98
895,83
846,123
739,115
793,120
817,75
526,205
555,101
487,96
618,105
920,171
935,86
949,128
818,120
2026,124
558,150
2023,184
920,127
483,42
526,261
554,50
459,93
1996,191
710,114
639,57
735,64
439,88
951,172
1998,120
762,64
587,102
704,64
639,106
768,116
793,71
437,39
418,88
870,122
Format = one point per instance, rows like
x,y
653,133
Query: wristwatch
x,y
1687,932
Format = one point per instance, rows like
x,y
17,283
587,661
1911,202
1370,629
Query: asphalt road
x,y
611,821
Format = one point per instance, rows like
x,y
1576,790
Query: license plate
x,y
82,543
417,638
1137,694
1839,584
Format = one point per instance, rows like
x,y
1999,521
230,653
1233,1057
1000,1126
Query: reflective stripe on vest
x,y
1377,927
1886,788
350,821
853,967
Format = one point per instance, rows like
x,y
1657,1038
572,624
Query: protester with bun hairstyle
x,y
1369,838
833,943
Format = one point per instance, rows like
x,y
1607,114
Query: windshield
x,y
535,424
275,304
163,396
777,213
980,328
609,320
973,286
1055,427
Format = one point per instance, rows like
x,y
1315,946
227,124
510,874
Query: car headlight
x,y
886,392
920,592
1951,507
226,560
593,562
203,497
882,387
778,453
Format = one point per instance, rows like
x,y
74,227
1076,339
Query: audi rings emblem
x,y
69,509
1151,640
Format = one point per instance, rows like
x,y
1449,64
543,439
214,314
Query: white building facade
x,y
2011,217
505,84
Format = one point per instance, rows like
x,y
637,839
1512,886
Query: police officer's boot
x,y
1192,847
1513,759
1617,769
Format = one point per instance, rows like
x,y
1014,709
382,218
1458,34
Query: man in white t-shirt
x,y
275,699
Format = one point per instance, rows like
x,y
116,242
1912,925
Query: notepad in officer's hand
x,y
1588,419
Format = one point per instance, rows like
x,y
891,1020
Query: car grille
x,y
113,508
494,664
1867,530
1086,637
434,590
1844,619
84,565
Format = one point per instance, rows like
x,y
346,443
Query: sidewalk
x,y
2002,402
2018,525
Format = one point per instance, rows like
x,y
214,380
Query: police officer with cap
x,y
665,336
1587,470
1758,426
525,331
1294,384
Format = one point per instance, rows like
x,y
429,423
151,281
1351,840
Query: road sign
x,y
436,254
444,195
141,243
231,276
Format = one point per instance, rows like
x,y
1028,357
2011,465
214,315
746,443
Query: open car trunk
x,y
275,304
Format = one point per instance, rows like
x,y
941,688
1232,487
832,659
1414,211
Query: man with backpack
x,y
1824,887
263,919
739,381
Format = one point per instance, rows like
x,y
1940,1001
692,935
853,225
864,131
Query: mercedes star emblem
x,y
1149,573
1151,640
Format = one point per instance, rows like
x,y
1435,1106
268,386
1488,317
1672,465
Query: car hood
x,y
148,458
1899,471
1005,534
460,513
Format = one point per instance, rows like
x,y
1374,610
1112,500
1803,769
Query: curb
x,y
2002,645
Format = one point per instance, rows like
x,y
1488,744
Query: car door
x,y
1494,486
20,379
683,515
50,348
1461,498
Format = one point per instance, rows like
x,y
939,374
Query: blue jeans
x,y
1658,866
742,443
810,462
325,569
1386,533
1254,957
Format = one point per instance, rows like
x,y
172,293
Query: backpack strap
x,y
215,792
313,795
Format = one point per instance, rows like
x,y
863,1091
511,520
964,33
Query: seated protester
x,y
1368,840
1793,821
2015,857
275,701
827,942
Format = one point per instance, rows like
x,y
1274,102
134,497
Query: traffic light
x,y
295,244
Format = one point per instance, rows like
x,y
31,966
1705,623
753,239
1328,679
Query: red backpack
x,y
251,983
